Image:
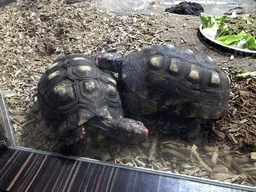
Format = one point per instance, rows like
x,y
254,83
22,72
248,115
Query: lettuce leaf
x,y
209,21
241,39
247,74
250,42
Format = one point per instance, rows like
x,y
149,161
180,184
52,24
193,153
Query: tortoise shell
x,y
73,90
176,78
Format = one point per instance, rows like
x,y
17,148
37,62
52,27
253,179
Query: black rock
x,y
186,8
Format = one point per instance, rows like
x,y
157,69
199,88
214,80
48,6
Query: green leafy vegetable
x,y
209,21
242,38
247,74
238,39
238,70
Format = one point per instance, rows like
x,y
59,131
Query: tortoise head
x,y
110,61
126,130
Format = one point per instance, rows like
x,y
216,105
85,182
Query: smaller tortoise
x,y
162,76
75,97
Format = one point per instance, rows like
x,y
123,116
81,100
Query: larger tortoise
x,y
75,97
162,76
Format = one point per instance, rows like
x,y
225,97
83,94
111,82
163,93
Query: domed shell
x,y
177,78
73,89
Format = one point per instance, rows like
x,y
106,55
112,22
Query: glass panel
x,y
47,30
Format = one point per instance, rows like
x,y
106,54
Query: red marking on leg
x,y
99,57
146,132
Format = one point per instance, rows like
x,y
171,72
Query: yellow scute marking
x,y
79,58
61,89
85,68
112,81
173,66
194,74
54,74
215,78
89,85
52,65
155,62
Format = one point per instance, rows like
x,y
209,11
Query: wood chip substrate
x,y
35,33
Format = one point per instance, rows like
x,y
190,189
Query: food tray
x,y
238,51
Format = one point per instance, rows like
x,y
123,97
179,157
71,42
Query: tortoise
x,y
75,98
164,76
